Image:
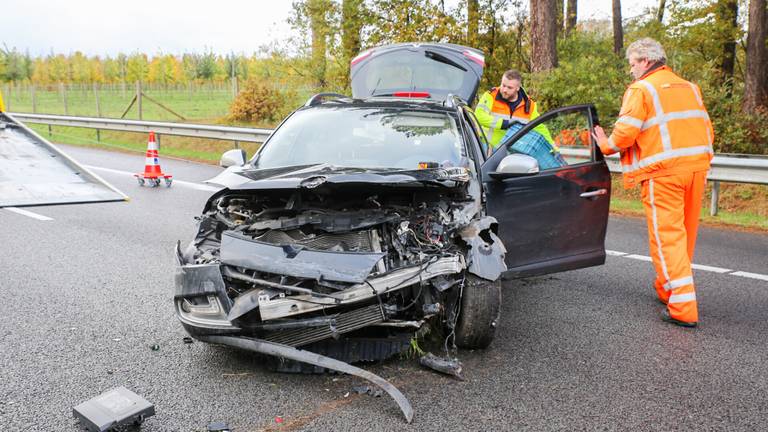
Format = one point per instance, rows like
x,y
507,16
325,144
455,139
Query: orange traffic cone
x,y
152,172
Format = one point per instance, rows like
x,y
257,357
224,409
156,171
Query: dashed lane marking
x,y
751,275
28,214
191,185
701,267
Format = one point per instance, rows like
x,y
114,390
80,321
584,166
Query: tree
x,y
726,12
756,79
317,11
570,19
618,31
351,26
543,35
660,12
473,22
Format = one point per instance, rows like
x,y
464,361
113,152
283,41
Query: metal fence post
x,y
63,91
34,100
98,108
138,98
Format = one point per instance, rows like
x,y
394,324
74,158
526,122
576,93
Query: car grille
x,y
356,241
345,323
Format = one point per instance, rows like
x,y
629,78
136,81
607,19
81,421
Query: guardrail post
x,y
237,144
715,198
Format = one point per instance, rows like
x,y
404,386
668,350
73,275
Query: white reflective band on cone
x,y
682,298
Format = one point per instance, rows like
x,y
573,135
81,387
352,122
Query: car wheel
x,y
479,315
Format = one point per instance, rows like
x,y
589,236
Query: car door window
x,y
478,132
561,139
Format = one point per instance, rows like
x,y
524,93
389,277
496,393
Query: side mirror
x,y
516,165
234,157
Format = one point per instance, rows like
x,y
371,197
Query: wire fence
x,y
191,101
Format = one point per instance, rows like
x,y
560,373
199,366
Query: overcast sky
x,y
107,27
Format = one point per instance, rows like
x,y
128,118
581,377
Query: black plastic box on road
x,y
115,407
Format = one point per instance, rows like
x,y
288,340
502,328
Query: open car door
x,y
554,218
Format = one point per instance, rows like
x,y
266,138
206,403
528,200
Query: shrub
x,y
260,103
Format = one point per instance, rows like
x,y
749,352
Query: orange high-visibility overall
x,y
665,138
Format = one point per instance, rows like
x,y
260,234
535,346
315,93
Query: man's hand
x,y
599,134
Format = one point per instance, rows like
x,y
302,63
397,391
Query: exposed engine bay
x,y
307,259
349,272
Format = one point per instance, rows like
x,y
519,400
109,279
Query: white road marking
x,y
710,268
28,214
639,257
751,275
701,267
191,185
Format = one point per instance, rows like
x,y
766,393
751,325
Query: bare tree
x,y
660,12
570,19
543,35
756,79
473,22
618,31
726,12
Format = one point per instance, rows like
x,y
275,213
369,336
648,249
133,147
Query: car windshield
x,y
364,138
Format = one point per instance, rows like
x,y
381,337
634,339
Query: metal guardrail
x,y
164,128
725,167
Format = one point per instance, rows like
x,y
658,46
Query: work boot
x,y
665,317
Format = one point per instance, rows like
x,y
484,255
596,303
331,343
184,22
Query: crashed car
x,y
363,219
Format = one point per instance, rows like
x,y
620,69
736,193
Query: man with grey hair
x,y
665,139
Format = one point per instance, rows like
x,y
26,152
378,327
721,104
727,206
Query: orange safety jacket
x,y
662,129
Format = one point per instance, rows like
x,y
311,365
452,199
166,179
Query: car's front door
x,y
555,219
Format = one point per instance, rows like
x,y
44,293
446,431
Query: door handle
x,y
594,193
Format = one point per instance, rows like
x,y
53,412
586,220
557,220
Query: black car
x,y
364,219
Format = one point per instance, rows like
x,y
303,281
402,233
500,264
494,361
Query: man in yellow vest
x,y
665,139
502,106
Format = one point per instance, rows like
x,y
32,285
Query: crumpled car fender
x,y
486,250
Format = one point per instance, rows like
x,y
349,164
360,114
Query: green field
x,y
207,103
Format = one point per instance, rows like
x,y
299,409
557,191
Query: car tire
x,y
479,315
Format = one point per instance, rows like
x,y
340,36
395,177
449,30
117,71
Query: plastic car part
x,y
273,349
113,408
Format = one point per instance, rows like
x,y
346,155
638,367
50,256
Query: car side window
x,y
478,131
562,139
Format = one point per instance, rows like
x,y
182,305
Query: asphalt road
x,y
87,293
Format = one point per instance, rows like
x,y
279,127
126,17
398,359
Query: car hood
x,y
323,175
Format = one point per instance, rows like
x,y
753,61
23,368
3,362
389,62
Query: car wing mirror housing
x,y
516,165
235,157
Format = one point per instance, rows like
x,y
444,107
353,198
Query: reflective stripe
x,y
679,115
611,145
666,140
656,231
696,93
632,121
520,119
682,298
650,160
677,283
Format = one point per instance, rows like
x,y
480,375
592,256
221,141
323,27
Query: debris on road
x,y
155,347
116,407
444,365
187,340
241,374
278,419
218,426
